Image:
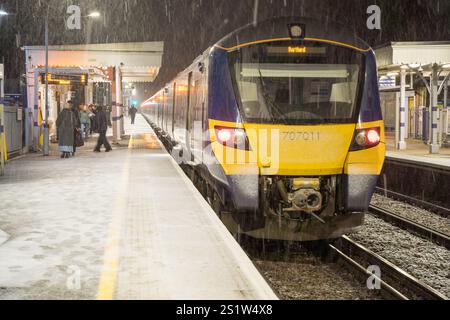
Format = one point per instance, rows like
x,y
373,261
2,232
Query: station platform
x,y
418,152
122,225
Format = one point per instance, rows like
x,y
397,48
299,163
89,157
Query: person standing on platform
x,y
85,122
102,127
133,112
108,112
93,116
77,131
66,124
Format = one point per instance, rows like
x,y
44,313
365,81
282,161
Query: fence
x,y
11,133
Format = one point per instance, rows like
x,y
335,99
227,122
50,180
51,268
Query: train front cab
x,y
311,148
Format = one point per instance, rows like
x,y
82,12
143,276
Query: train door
x,y
158,106
190,116
166,111
163,107
196,114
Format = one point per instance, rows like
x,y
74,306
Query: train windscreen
x,y
297,84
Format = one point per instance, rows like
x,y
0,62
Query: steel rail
x,y
442,211
412,226
349,250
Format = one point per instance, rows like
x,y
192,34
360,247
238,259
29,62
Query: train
x,y
279,126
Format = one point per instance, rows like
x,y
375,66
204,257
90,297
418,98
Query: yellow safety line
x,y
111,257
289,39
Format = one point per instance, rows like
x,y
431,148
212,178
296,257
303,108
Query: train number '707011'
x,y
301,136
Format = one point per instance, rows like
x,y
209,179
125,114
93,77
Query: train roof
x,y
279,28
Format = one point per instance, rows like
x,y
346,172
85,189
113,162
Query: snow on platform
x,y
120,225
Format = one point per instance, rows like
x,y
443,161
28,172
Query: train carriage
x,y
279,125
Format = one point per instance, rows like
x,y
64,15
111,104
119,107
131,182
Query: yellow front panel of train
x,y
300,150
288,150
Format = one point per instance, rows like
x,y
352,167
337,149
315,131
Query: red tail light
x,y
366,138
224,135
232,137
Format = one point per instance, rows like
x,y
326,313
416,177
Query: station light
x,y
446,66
3,13
94,14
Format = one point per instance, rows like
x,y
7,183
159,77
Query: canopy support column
x,y
36,112
117,106
434,86
401,145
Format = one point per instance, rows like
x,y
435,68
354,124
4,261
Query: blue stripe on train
x,y
370,102
221,97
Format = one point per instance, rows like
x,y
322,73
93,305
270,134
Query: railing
x,y
11,133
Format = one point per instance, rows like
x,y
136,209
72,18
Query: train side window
x,y
190,94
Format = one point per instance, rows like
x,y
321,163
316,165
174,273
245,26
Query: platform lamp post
x,y
46,129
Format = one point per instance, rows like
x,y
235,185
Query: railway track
x,y
411,226
444,212
394,281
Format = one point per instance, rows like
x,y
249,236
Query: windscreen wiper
x,y
273,110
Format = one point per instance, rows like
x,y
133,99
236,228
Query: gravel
x,y
424,217
303,276
421,258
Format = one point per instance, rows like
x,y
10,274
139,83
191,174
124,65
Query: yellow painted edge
x,y
111,257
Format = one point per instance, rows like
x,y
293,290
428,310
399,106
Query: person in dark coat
x,y
108,112
102,127
133,112
93,116
77,129
66,124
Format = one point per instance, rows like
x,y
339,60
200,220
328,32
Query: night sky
x,y
188,27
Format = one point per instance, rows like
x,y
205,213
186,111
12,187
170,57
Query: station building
x,y
101,74
414,80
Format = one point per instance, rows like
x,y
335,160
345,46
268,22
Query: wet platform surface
x,y
121,225
418,152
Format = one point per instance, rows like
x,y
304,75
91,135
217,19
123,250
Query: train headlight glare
x,y
361,139
366,138
224,135
233,138
296,31
373,137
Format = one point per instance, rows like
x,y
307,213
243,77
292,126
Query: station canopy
x,y
414,55
138,61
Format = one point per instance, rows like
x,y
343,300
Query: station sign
x,y
12,98
388,82
296,50
65,79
